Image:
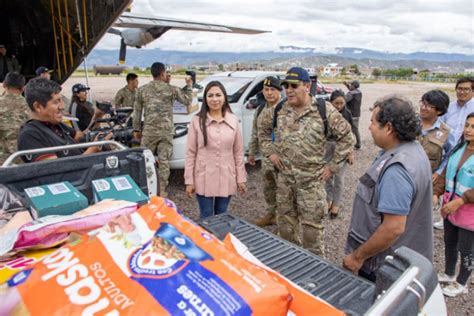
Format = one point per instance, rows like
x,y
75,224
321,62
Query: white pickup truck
x,y
406,283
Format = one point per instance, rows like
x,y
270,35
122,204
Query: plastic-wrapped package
x,y
52,230
10,204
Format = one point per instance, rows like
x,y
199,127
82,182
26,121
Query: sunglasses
x,y
287,85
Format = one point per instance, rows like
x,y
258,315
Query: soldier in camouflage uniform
x,y
264,116
126,96
155,100
14,112
298,153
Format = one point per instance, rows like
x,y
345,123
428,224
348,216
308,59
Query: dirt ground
x,y
252,205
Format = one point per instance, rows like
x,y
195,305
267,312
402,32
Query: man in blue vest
x,y
392,206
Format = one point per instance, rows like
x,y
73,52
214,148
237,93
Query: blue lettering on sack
x,y
195,291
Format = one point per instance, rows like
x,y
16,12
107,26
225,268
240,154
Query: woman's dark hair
x,y
399,112
336,94
461,141
75,99
205,108
438,99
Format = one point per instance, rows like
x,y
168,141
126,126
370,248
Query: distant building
x,y
469,71
332,70
207,68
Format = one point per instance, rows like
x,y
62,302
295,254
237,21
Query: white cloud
x,y
386,25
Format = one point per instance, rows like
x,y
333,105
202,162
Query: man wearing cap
x,y
43,72
81,108
155,100
7,63
125,97
298,153
353,103
258,143
14,113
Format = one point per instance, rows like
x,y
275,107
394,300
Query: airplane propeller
x,y
123,51
123,46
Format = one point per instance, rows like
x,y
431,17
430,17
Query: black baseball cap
x,y
78,87
42,70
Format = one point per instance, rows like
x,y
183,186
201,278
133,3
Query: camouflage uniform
x,y
14,112
301,197
125,97
269,172
156,100
433,143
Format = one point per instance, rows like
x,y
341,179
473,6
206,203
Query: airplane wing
x,y
128,20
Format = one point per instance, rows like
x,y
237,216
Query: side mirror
x,y
251,104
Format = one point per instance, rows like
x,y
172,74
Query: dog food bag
x,y
150,262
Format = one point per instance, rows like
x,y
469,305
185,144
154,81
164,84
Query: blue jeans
x,y
209,206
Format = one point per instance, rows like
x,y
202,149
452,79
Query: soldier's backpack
x,y
321,109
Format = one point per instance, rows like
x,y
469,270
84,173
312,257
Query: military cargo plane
x,y
59,34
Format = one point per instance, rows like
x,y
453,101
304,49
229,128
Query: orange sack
x,y
151,262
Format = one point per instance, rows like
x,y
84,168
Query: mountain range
x,y
290,55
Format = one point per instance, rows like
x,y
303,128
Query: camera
x,y
192,74
122,135
116,121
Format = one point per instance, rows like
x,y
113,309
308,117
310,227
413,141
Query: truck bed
x,y
338,287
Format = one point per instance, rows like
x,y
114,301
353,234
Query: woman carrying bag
x,y
456,185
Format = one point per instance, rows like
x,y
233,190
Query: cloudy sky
x,y
385,25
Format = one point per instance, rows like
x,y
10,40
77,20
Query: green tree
x,y
376,72
220,67
354,69
399,72
424,73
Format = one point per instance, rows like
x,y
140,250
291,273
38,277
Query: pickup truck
x,y
406,283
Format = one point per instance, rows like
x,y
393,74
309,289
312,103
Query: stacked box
x,y
55,199
118,188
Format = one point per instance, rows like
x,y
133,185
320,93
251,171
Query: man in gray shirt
x,y
392,206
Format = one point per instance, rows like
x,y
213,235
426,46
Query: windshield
x,y
234,86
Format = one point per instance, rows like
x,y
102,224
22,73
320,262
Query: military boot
x,y
269,219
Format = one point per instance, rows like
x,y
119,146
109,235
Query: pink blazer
x,y
215,169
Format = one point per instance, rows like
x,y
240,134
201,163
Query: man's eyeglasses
x,y
424,104
287,85
462,89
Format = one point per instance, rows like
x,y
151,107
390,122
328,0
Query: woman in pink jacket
x,y
214,168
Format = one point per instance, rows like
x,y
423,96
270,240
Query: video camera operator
x,y
45,129
83,109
